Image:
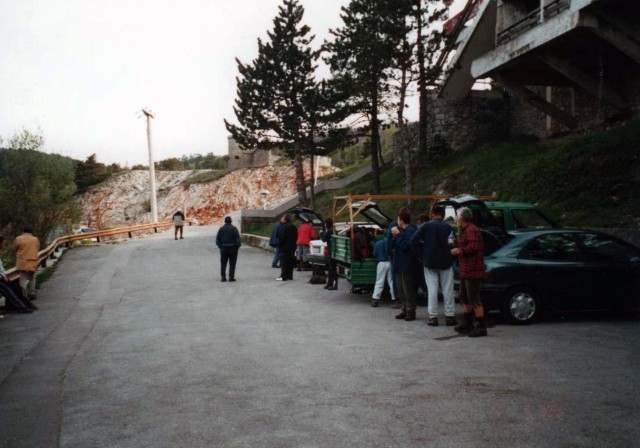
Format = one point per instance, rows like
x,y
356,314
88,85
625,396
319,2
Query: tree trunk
x,y
302,191
375,139
312,189
422,86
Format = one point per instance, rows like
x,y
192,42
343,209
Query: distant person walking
x,y
26,247
178,223
228,241
433,237
12,301
287,243
273,242
470,253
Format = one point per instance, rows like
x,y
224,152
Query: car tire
x,y
522,305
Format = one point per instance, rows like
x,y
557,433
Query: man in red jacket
x,y
306,233
470,253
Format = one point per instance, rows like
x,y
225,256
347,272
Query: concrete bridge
x,y
139,344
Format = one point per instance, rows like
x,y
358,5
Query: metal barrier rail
x,y
43,255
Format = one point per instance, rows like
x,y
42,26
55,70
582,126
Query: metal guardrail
x,y
531,20
45,254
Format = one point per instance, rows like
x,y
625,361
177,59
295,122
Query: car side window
x,y
607,249
530,219
552,247
499,215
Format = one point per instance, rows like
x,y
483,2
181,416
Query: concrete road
x,y
140,345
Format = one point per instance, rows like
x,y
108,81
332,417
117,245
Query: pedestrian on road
x,y
273,242
287,242
178,222
383,273
470,253
26,247
433,237
228,241
402,264
306,233
12,301
332,272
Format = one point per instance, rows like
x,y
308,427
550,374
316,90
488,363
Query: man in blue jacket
x,y
403,258
228,241
434,236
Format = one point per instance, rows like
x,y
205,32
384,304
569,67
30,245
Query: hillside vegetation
x,y
587,180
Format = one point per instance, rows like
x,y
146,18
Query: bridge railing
x,y
67,240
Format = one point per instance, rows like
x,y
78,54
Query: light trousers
x,y
440,279
28,283
383,272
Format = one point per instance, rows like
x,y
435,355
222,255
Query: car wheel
x,y
522,305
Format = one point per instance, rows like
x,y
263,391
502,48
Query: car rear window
x,y
552,247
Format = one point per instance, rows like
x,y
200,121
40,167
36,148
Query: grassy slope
x,y
587,180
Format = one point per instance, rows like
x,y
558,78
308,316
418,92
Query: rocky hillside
x,y
124,199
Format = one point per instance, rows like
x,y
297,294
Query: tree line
x,y
384,51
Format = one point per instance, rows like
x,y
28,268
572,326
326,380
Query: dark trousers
x,y
332,273
228,254
407,291
288,262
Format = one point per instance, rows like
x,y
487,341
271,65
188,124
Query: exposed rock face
x,y
124,199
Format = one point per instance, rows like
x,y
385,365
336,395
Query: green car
x,y
520,215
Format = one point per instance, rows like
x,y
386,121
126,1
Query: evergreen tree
x,y
277,103
362,56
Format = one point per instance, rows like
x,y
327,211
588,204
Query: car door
x,y
615,269
554,266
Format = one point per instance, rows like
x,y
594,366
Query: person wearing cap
x,y
26,247
228,241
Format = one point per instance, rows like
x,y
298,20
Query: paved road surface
x,y
139,345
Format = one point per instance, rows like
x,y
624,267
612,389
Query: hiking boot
x,y
402,315
432,322
232,279
467,325
450,321
410,316
223,279
375,302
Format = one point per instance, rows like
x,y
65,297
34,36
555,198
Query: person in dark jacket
x,y
228,241
433,236
273,242
332,274
287,243
402,264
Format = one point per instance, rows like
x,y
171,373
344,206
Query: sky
x,y
80,71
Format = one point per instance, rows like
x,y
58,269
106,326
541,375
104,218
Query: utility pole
x,y
152,169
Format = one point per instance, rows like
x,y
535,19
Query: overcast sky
x,y
79,71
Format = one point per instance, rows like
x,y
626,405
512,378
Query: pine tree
x,y
362,56
277,103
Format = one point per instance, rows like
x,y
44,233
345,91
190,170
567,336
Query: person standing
x,y
26,247
306,233
287,242
383,273
273,242
228,241
12,301
178,223
433,236
470,253
402,264
332,274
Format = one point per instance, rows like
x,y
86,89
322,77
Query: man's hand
x,y
395,230
455,251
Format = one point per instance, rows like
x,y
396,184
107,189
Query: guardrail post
x,y
98,239
155,230
43,263
130,235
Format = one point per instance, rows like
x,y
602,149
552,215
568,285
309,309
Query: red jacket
x,y
471,257
306,234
